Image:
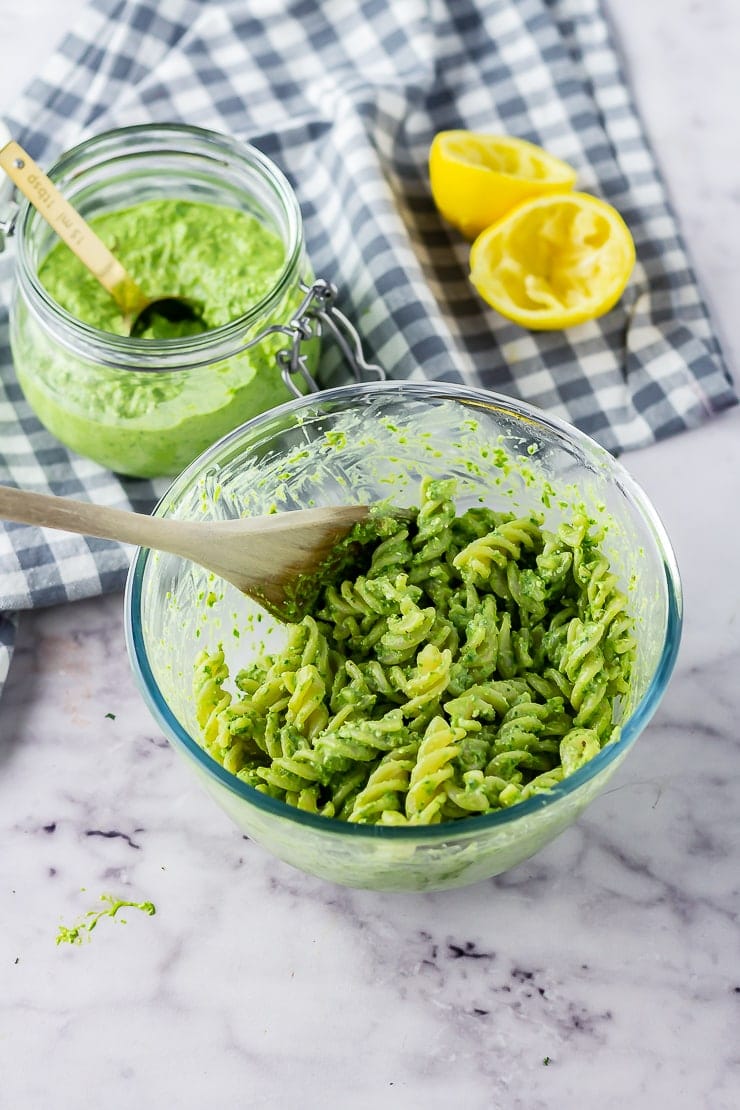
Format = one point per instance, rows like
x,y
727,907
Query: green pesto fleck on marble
x,y
76,933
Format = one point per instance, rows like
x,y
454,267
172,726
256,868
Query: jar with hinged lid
x,y
146,406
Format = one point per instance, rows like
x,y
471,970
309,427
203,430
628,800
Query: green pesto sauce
x,y
220,259
143,424
74,934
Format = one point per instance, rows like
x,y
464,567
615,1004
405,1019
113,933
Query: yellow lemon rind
x,y
545,319
472,195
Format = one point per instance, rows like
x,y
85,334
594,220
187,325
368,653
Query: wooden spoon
x,y
264,556
136,307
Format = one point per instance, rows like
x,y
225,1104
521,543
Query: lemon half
x,y
475,179
554,261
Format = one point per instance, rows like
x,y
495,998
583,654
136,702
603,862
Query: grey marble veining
x,y
614,954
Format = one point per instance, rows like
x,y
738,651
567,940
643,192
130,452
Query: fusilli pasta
x,y
477,660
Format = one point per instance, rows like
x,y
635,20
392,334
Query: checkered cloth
x,y
345,97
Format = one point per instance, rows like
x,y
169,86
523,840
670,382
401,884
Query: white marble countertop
x,y
615,952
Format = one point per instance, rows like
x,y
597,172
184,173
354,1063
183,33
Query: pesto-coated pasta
x,y
475,661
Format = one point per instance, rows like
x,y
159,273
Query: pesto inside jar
x,y
222,260
153,422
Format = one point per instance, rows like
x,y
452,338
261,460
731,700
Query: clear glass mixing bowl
x,y
360,444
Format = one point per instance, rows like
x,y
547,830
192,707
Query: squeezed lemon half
x,y
475,179
554,261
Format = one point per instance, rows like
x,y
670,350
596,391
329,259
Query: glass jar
x,y
145,407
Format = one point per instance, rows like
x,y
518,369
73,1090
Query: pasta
x,y
475,661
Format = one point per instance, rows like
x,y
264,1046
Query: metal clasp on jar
x,y
317,314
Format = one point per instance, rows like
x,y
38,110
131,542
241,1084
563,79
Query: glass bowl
x,y
361,444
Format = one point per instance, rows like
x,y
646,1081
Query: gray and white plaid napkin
x,y
346,95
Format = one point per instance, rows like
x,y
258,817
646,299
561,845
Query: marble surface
x,y
614,954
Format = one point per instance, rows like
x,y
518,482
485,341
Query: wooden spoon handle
x,y
70,226
86,519
250,553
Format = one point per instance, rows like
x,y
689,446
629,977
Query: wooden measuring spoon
x,y
263,557
136,307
